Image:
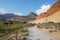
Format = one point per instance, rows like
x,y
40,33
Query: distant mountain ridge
x,y
13,17
7,16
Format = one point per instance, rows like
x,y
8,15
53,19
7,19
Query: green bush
x,y
4,26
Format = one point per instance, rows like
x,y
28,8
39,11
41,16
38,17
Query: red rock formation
x,y
42,15
52,10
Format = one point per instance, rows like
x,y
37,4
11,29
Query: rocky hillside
x,y
53,14
51,29
31,16
51,11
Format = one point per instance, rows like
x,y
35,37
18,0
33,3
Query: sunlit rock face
x,y
55,8
36,34
53,14
52,18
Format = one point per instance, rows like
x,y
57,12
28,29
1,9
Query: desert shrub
x,y
51,22
8,22
50,31
29,24
59,29
38,26
46,27
10,27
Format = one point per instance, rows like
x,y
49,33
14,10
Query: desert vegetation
x,y
50,25
8,28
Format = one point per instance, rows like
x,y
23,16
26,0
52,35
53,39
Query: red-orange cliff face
x,y
52,10
42,15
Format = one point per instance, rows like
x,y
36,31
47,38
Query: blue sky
x,y
23,6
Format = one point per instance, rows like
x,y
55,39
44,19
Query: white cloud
x,y
42,9
4,11
19,13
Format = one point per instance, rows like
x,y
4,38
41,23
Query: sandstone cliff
x,y
53,14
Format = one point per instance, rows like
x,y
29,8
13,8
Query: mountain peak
x,y
32,13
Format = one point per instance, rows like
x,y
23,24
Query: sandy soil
x,y
55,35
